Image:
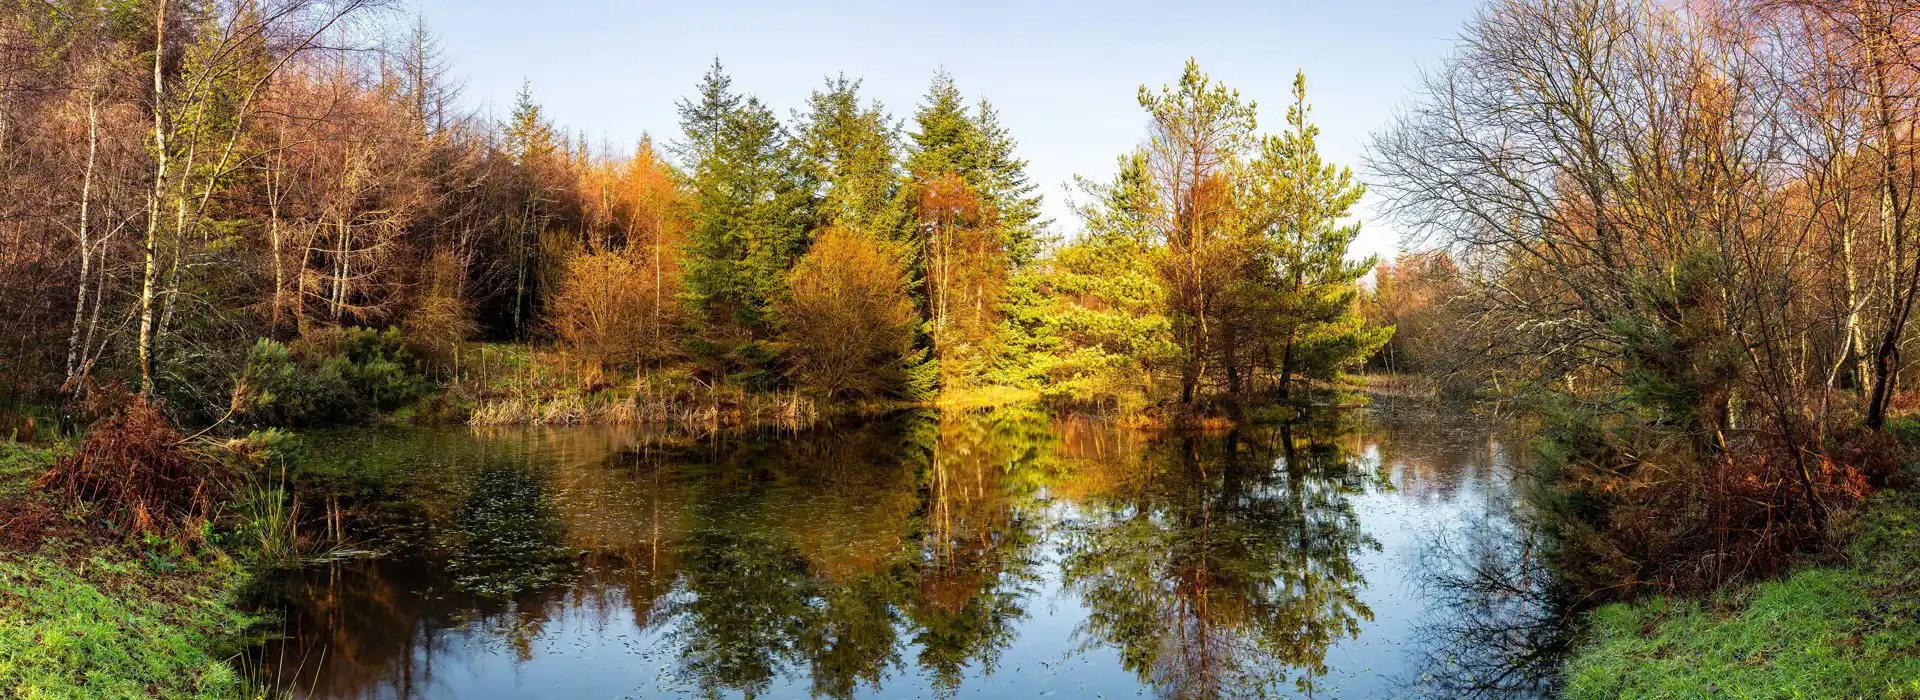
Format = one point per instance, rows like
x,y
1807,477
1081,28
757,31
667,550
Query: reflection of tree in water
x,y
1215,565
746,601
1216,571
486,531
1496,629
507,535
827,552
975,561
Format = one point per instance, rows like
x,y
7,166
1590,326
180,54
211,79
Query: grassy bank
x,y
90,613
1843,631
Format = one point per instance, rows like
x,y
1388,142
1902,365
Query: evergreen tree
x,y
850,152
531,143
951,138
946,138
1087,326
1304,200
975,220
1194,154
703,121
752,213
1004,184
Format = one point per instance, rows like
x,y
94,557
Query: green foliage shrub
x,y
328,378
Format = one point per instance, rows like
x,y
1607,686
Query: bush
x,y
441,320
849,325
1634,508
328,378
613,310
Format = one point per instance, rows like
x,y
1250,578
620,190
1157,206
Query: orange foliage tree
x,y
848,325
611,310
966,264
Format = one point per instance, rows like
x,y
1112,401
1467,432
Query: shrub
x,y
327,378
849,325
613,309
442,320
1634,509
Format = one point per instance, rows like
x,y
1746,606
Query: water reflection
x,y
926,555
1215,573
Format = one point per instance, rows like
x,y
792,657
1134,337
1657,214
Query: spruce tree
x,y
951,138
752,213
975,221
945,137
851,157
530,140
702,121
1002,180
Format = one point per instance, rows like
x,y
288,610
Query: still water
x,y
1008,554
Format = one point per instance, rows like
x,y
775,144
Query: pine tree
x,y
1201,131
1304,200
1087,326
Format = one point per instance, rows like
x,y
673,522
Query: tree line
x,y
179,178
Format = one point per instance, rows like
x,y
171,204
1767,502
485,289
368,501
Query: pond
x,y
1005,554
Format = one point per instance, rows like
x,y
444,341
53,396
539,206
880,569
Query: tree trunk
x,y
150,250
86,240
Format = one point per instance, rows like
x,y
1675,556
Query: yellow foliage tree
x,y
613,309
848,323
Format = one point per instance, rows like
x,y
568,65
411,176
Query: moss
x,y
117,627
1828,632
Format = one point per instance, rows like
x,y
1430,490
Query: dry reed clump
x,y
685,405
134,468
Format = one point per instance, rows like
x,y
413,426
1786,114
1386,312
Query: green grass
x,y
1833,632
117,629
986,397
20,465
95,618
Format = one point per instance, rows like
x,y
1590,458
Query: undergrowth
x,y
1845,631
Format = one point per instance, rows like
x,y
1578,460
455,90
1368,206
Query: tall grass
x,y
268,528
517,386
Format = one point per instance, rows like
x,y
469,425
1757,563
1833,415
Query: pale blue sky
x,y
1064,75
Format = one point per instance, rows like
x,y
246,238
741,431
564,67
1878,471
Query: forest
x,y
207,201
1679,240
